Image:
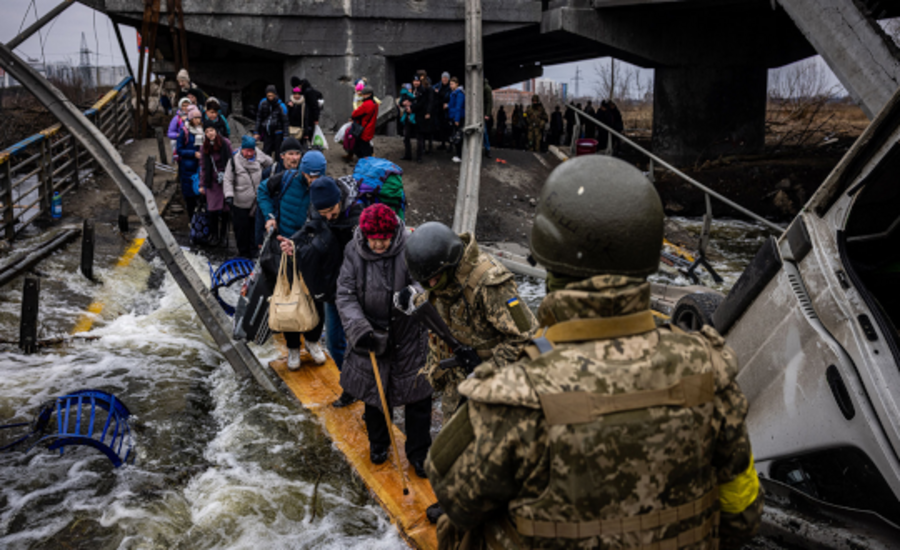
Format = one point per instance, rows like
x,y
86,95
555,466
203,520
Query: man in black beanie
x,y
319,244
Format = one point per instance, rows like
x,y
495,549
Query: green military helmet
x,y
432,248
598,215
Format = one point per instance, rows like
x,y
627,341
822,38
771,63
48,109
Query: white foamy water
x,y
219,463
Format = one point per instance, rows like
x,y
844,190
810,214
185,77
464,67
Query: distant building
x,y
546,86
511,96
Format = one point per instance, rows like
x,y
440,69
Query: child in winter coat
x,y
175,125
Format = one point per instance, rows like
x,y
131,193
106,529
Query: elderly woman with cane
x,y
373,270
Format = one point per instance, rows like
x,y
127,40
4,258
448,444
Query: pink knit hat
x,y
193,112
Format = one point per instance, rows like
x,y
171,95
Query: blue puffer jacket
x,y
188,163
456,109
291,211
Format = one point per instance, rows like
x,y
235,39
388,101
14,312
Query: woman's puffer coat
x,y
365,298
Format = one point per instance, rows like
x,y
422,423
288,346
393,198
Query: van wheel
x,y
695,310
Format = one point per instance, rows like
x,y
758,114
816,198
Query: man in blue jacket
x,y
284,201
456,112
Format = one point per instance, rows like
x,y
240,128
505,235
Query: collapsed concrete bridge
x,y
710,56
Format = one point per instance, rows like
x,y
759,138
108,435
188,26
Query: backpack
x,y
380,181
200,230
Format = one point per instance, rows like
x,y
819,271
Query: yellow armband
x,y
739,493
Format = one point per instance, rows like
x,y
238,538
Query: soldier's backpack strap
x,y
474,278
597,328
580,407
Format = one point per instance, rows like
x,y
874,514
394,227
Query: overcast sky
x,y
62,37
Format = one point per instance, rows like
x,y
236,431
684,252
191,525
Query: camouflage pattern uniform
x,y
515,468
482,308
537,119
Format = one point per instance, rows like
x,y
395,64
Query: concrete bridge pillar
x,y
704,112
335,76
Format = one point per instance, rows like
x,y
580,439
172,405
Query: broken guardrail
x,y
99,147
51,161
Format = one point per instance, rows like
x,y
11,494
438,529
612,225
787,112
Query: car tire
x,y
693,311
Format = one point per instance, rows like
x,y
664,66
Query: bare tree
x,y
617,80
800,96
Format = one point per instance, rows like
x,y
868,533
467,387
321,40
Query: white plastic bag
x,y
318,139
339,136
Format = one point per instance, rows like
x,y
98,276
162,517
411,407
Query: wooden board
x,y
317,387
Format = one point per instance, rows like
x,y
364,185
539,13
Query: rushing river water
x,y
219,463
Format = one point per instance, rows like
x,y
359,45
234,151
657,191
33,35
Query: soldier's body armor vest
x,y
641,424
462,316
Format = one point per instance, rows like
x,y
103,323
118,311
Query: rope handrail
x,y
771,225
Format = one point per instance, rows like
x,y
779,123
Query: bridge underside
x,y
710,58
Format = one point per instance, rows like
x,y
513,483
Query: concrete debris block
x,y
533,202
672,206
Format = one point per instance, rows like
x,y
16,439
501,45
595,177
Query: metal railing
x,y
52,161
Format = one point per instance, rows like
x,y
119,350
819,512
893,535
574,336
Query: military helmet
x,y
432,248
598,215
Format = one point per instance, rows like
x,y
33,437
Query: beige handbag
x,y
291,308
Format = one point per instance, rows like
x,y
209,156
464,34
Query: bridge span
x,y
710,57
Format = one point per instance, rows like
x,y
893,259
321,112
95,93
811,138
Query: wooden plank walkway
x,y
317,387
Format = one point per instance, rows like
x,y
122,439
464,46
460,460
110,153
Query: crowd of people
x,y
432,112
536,408
436,111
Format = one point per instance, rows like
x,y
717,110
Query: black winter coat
x,y
272,115
424,105
441,96
320,245
311,98
365,297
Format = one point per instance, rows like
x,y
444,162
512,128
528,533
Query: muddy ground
x,y
509,181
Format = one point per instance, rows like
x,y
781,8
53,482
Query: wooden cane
x,y
387,418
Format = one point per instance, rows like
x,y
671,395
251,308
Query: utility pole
x,y
612,77
466,213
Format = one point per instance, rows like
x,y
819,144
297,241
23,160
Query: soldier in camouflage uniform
x,y
613,432
475,295
536,118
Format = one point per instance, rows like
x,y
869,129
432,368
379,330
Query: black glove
x,y
367,342
229,201
403,298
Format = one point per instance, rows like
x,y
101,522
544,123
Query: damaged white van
x,y
814,320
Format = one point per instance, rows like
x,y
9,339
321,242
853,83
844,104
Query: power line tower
x,y
84,65
577,80
84,53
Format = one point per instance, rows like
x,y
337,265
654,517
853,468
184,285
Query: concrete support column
x,y
334,76
704,112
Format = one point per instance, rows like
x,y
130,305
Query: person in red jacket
x,y
366,115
